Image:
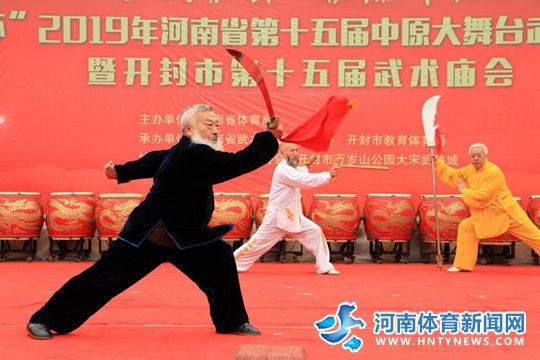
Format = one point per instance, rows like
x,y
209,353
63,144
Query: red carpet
x,y
166,317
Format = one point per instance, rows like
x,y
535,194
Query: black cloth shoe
x,y
39,331
244,329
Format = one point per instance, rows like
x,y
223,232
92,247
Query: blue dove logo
x,y
335,329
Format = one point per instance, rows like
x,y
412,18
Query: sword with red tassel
x,y
315,132
255,73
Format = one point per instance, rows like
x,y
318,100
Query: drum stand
x,y
535,257
346,250
28,248
487,253
376,250
235,243
61,249
282,251
446,252
107,240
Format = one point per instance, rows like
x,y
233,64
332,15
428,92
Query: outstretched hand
x,y
311,160
110,171
461,185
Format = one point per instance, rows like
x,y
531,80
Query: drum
x,y
534,209
260,210
451,211
338,215
20,215
389,217
71,215
262,204
112,211
236,209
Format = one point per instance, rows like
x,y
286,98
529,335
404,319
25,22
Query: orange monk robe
x,y
493,210
490,201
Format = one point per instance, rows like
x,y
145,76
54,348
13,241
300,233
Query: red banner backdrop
x,y
87,82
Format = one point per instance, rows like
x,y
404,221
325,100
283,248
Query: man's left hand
x,y
461,185
110,171
277,131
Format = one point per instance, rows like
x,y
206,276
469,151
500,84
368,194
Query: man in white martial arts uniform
x,y
284,214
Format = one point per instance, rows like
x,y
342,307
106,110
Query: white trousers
x,y
268,234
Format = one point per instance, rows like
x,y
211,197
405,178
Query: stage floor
x,y
165,316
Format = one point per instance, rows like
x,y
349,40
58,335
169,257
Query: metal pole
x,y
436,210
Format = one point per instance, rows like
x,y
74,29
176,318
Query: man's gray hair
x,y
284,145
478,145
189,114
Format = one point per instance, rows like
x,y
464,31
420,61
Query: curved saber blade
x,y
255,73
429,110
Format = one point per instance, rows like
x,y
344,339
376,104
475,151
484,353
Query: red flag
x,y
316,132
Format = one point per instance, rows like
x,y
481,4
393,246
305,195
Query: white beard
x,y
197,139
293,163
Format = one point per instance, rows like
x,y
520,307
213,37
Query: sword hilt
x,y
273,122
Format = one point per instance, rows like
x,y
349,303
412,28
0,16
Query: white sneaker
x,y
332,272
453,269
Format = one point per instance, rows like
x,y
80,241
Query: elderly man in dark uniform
x,y
170,225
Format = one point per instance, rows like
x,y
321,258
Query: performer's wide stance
x,y
493,208
284,215
170,225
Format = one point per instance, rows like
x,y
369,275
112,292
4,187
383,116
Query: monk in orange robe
x,y
493,208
